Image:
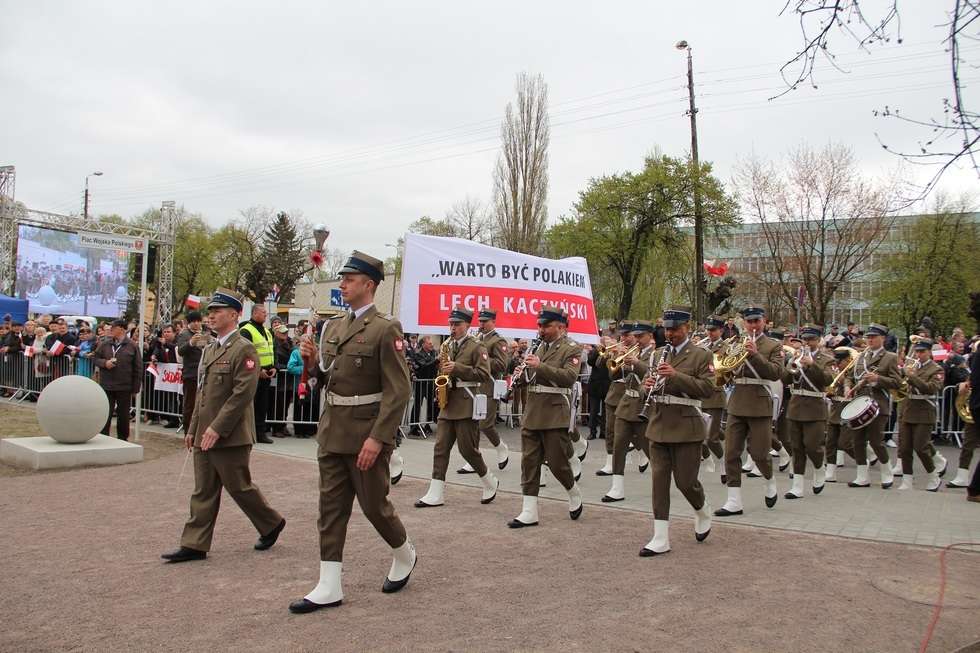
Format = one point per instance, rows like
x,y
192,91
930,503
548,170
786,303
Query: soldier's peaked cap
x,y
225,298
461,314
676,316
552,314
361,263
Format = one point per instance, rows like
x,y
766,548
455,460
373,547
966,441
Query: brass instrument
x,y
442,381
901,393
617,363
841,375
701,342
519,369
731,361
658,384
607,351
963,406
795,364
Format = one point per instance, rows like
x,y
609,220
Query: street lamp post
x,y
394,287
88,253
698,218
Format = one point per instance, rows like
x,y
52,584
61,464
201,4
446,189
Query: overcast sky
x,y
367,115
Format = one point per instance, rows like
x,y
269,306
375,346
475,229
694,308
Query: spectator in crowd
x,y
831,337
413,344
306,409
891,341
426,367
41,367
261,338
730,329
659,335
598,387
190,346
162,349
59,355
120,366
11,348
45,320
282,391
85,352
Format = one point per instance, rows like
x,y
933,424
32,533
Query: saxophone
x,y
442,381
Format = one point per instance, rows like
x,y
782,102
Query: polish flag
x,y
152,369
716,268
29,351
57,348
192,301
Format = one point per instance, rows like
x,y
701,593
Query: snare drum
x,y
859,412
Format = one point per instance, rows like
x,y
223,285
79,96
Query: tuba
x,y
442,381
853,353
963,407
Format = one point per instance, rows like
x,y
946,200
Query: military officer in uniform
x,y
715,404
875,373
466,364
683,377
750,411
630,427
499,352
807,377
617,388
364,375
553,369
222,432
917,415
839,439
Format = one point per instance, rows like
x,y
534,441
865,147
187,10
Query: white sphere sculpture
x,y
46,296
72,409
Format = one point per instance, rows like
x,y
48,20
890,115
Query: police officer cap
x,y
487,314
714,322
361,263
642,326
225,298
877,330
750,312
552,314
923,345
811,331
461,314
676,316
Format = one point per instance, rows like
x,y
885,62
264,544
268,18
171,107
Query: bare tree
x,y
953,136
469,219
520,180
821,222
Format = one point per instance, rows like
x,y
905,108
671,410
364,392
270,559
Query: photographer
x,y
190,344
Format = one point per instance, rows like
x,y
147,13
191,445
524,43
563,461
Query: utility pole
x,y
698,216
88,252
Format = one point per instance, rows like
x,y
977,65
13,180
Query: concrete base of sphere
x,y
47,453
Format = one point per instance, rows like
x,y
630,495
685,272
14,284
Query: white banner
x,y
111,241
169,378
440,273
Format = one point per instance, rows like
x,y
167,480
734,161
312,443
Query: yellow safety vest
x,y
262,343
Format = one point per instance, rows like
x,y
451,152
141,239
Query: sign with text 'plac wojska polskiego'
x,y
112,242
440,273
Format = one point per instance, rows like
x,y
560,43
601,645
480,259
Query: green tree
x,y
282,256
932,270
195,271
628,227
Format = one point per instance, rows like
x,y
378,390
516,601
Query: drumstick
x,y
182,468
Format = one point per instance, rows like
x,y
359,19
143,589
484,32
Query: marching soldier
x,y
807,377
684,376
221,433
715,404
468,367
917,415
499,353
750,411
839,439
617,388
549,416
630,427
875,373
362,369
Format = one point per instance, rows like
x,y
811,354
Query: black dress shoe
x,y
392,586
184,554
724,479
649,553
600,472
423,504
753,475
790,495
643,467
503,464
608,499
578,476
856,484
701,537
463,470
266,541
724,512
394,481
264,439
783,468
575,514
516,523
886,486
819,488
303,606
771,501
942,472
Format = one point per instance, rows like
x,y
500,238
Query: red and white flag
x,y
152,369
56,348
192,301
29,351
715,267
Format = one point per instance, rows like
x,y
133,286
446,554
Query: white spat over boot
x,y
962,478
618,491
661,539
528,515
733,506
434,497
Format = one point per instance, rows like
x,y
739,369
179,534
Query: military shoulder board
x,y
385,316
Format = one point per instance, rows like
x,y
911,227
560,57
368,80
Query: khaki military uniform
x,y
227,377
886,364
676,429
715,406
547,415
366,387
750,409
630,429
838,437
499,354
917,415
456,423
617,389
806,412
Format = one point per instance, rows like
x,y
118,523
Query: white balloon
x,y
72,409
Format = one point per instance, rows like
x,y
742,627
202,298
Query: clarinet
x,y
519,370
658,384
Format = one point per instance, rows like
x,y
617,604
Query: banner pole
x,y
139,395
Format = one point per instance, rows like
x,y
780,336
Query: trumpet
x,y
658,384
607,351
702,342
519,370
442,381
617,363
